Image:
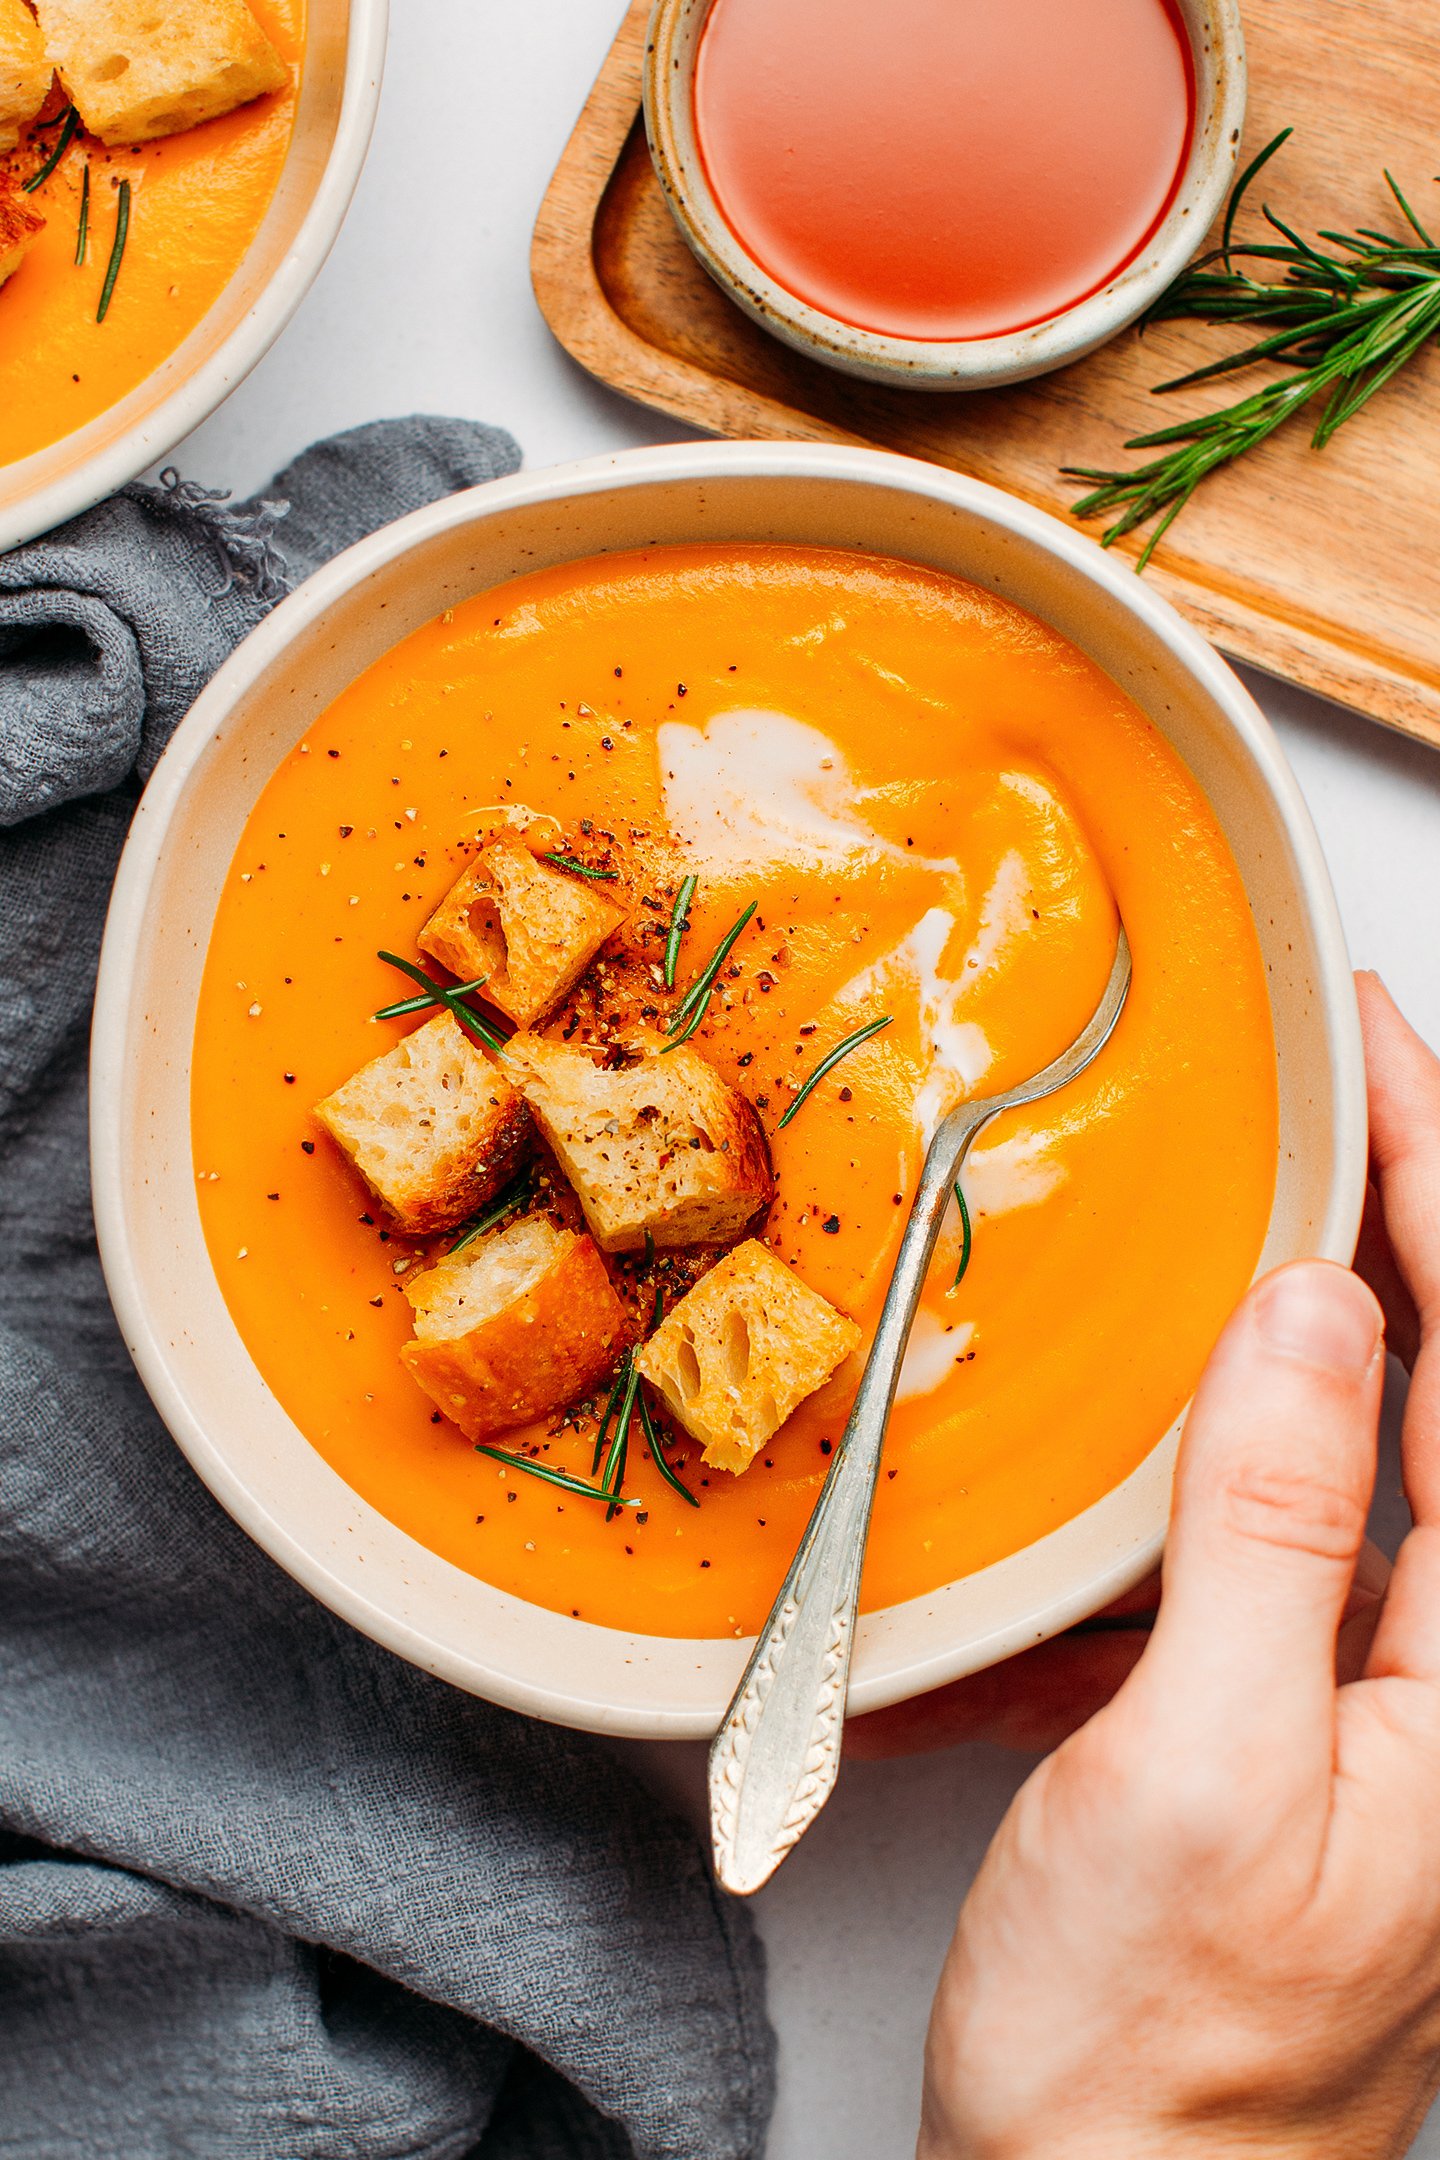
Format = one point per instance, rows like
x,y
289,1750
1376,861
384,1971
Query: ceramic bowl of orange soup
x,y
936,736
228,225
944,197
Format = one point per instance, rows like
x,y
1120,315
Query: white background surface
x,y
425,305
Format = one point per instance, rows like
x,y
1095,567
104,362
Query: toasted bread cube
x,y
664,1146
433,1127
514,1327
741,1351
531,930
20,227
25,72
135,69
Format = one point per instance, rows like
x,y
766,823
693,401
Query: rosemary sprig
x,y
966,1236
693,1007
1343,319
579,869
627,1381
555,1477
602,1430
437,994
516,1193
827,1064
422,1003
117,251
613,1475
83,232
679,924
657,1454
62,143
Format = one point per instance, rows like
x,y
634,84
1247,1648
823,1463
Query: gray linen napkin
x,y
266,1892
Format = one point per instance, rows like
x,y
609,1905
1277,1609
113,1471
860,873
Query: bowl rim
x,y
201,392
118,1194
1217,42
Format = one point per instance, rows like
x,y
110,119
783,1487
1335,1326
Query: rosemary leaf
x,y
516,1193
827,1064
966,1237
1344,316
602,1430
83,233
1242,187
117,251
62,144
437,994
555,1477
613,1476
579,869
474,1025
679,924
424,1002
657,1454
692,1008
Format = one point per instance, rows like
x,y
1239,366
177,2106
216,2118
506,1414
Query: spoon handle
x,y
775,1758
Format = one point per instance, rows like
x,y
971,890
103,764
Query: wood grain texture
x,y
1320,568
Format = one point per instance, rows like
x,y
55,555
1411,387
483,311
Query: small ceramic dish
x,y
1218,46
189,822
339,95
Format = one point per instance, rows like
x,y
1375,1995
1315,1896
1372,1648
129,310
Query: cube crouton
x,y
664,1146
20,227
741,1351
433,1127
513,1327
136,69
531,930
25,71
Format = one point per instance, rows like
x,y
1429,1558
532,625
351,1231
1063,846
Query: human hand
x,y
1037,1699
1210,1922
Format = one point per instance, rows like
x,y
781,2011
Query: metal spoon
x,y
774,1760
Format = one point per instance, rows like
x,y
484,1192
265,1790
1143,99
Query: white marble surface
x,y
425,304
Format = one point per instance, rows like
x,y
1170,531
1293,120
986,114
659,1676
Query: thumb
x,y
1272,1488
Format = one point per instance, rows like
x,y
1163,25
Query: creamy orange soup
x,y
198,199
933,798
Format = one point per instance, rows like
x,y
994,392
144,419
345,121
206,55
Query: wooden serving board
x,y
1321,568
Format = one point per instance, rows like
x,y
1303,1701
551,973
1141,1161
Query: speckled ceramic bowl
x,y
1218,44
187,1347
339,96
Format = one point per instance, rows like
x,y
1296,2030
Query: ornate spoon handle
x,y
774,1760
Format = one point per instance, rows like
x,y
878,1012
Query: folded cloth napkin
x,y
266,1892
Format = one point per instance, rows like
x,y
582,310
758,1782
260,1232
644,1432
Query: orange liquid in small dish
x,y
943,169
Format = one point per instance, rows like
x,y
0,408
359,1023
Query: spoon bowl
x,y
774,1761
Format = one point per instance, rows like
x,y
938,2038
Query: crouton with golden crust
x,y
135,70
24,71
20,227
433,1126
664,1146
741,1351
513,1327
531,930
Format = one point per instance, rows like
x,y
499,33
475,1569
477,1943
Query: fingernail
x,y
1320,1314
